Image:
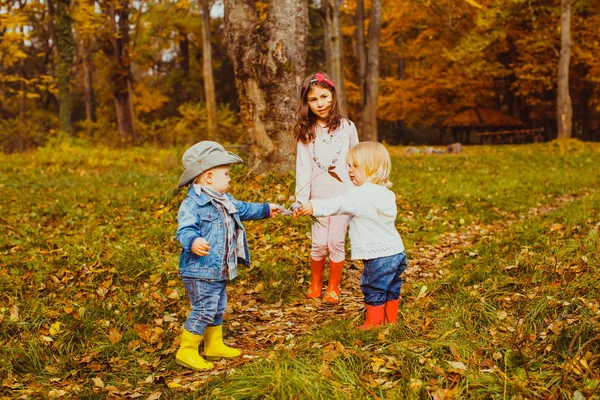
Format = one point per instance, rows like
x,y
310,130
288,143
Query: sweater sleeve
x,y
303,173
346,204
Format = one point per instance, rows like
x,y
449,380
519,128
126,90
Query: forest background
x,y
162,71
500,299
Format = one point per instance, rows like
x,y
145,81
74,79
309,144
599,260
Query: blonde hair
x,y
373,160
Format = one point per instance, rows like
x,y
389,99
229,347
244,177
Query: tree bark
x,y
372,79
334,49
361,51
209,82
117,49
269,61
184,51
65,45
564,108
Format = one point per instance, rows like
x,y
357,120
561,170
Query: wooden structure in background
x,y
512,136
480,120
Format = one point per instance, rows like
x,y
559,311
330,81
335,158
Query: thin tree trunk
x,y
65,46
269,60
88,87
564,108
372,85
361,51
209,82
120,69
334,49
184,52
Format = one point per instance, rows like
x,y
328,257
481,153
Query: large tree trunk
x,y
269,61
361,51
372,85
334,49
209,82
120,70
564,108
65,46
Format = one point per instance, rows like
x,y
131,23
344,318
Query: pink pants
x,y
329,235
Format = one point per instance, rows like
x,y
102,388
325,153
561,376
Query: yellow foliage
x,y
148,99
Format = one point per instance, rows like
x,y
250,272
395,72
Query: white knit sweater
x,y
372,211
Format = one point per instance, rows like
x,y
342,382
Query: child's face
x,y
219,179
319,102
356,175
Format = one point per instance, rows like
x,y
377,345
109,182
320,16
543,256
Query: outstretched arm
x,y
341,205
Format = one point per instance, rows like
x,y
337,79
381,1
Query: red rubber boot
x,y
317,267
375,317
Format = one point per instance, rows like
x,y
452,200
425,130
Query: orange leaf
x,y
335,175
114,335
144,332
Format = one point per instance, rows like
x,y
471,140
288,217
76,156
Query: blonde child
x,y
324,137
373,236
213,241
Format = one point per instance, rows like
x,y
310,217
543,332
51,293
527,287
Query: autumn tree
x,y
87,22
65,46
368,54
330,10
209,82
269,55
564,108
115,44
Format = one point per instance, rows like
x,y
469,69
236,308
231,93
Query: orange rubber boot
x,y
375,316
391,311
317,267
335,277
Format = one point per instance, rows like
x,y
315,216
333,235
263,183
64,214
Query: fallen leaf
x,y
55,328
143,331
114,336
457,366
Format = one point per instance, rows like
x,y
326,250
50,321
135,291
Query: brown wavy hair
x,y
305,129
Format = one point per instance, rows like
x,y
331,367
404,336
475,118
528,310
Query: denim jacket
x,y
199,217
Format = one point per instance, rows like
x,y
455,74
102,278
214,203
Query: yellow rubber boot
x,y
188,356
214,347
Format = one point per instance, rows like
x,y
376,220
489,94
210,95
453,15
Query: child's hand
x,y
275,210
304,210
200,247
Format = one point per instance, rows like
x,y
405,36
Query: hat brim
x,y
205,163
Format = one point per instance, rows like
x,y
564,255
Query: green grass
x,y
87,241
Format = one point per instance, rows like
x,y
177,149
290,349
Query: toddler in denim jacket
x,y
213,241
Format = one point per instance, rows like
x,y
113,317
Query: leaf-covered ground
x,y
501,298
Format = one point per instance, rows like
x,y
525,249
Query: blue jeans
x,y
208,299
381,281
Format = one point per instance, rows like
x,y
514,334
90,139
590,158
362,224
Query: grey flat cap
x,y
203,156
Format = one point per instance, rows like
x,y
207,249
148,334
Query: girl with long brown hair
x,y
324,137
